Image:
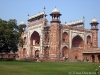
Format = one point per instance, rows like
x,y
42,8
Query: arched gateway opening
x,y
77,41
65,52
34,43
35,39
93,58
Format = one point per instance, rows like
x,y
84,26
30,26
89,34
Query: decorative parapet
x,y
79,22
36,15
37,22
76,28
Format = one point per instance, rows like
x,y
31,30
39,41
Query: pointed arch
x,y
65,37
35,39
88,39
65,51
77,41
89,43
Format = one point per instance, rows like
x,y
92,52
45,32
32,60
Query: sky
x,y
71,10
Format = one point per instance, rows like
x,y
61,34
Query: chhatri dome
x,y
55,10
22,23
94,21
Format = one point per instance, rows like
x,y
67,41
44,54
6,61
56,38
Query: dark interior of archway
x,y
88,39
93,58
35,38
64,51
77,41
37,53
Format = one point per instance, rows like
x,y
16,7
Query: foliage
x,y
9,35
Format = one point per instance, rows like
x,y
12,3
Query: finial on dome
x,y
44,8
28,14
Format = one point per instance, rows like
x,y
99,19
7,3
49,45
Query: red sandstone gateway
x,y
56,41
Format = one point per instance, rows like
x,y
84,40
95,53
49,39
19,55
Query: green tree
x,y
9,35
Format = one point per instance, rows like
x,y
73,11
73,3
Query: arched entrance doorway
x,y
35,39
46,52
65,52
93,58
77,41
37,54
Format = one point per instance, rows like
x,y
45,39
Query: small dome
x,y
94,21
55,11
22,23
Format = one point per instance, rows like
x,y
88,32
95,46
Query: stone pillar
x,y
96,58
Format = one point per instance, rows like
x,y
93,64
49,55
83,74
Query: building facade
x,y
56,41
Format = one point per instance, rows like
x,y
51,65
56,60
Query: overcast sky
x,y
71,10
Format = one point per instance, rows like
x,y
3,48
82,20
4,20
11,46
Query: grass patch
x,y
46,68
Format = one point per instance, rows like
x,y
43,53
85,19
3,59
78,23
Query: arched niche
x,y
35,39
88,39
37,53
65,51
65,37
77,41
